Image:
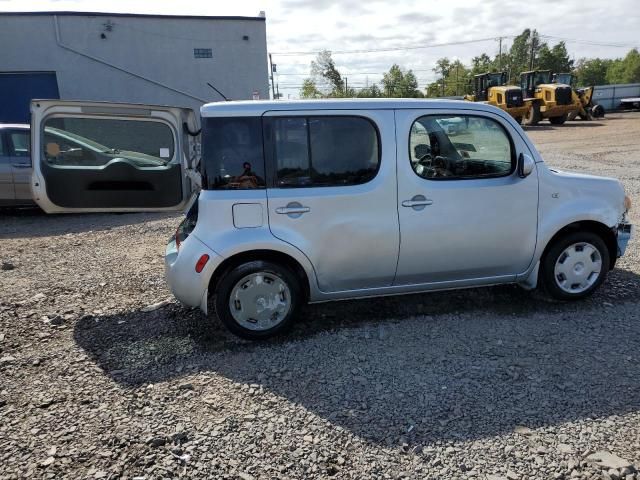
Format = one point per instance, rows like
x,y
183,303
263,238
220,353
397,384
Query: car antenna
x,y
219,92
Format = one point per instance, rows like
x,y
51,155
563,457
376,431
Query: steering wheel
x,y
425,160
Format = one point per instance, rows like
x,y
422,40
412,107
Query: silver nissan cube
x,y
312,201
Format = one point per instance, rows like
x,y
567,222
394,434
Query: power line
x,y
588,42
391,49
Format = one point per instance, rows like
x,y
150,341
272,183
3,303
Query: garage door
x,y
17,89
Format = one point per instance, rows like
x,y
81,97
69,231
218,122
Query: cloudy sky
x,y
421,27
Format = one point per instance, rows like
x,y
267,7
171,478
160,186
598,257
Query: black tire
x,y
533,116
597,111
547,264
558,120
232,277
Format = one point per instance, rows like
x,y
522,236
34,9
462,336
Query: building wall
x,y
142,59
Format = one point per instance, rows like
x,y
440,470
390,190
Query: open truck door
x,y
113,157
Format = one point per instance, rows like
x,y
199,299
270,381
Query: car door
x,y
466,215
20,158
94,156
331,193
7,192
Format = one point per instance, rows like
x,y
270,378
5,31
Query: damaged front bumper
x,y
624,231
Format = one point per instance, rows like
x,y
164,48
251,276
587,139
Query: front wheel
x,y
258,299
574,266
558,120
533,115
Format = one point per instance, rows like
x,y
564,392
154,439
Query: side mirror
x,y
525,165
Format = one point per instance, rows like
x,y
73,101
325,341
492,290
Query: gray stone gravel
x,y
104,375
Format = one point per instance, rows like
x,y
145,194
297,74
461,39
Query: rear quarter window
x,y
232,153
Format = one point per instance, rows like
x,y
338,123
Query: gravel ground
x,y
104,375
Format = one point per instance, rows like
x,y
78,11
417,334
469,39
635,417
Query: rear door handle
x,y
21,165
418,202
293,209
290,210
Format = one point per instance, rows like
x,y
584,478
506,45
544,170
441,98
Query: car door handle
x,y
293,209
418,202
21,165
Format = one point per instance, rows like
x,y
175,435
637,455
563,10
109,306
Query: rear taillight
x,y
187,225
178,241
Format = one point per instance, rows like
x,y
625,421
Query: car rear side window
x,y
20,142
457,147
232,153
324,151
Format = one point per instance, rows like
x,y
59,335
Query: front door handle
x,y
21,165
293,209
418,202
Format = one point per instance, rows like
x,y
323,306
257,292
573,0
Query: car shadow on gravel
x,y
461,365
33,222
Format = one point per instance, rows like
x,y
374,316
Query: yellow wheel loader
x,y
582,97
492,88
552,101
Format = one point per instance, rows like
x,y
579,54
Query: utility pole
x,y
443,80
499,54
346,86
533,39
457,67
273,87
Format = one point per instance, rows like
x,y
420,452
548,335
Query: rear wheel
x,y
574,266
519,120
558,120
257,299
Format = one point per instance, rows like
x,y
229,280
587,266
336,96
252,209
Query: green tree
x,y
555,59
592,71
399,83
370,92
625,70
326,76
455,79
519,57
481,64
309,89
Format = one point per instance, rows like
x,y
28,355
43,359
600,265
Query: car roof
x,y
250,108
24,126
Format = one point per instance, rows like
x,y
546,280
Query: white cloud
x,y
312,25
